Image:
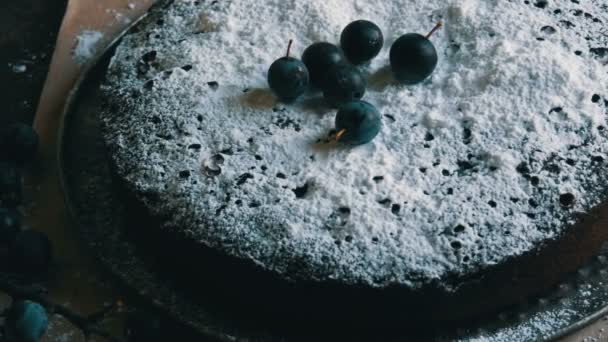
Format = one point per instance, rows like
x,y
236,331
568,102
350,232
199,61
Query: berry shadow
x,y
381,78
315,103
264,99
259,98
327,143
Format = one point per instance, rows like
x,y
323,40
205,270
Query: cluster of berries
x,y
333,70
28,252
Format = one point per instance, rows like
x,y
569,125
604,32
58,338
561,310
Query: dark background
x,y
28,30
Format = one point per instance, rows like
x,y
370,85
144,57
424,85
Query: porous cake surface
x,y
489,158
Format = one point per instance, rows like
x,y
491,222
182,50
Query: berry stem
x,y
289,48
437,27
340,134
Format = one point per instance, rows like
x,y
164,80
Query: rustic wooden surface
x,y
29,37
28,34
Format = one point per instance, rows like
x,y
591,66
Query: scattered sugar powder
x,y
19,68
486,159
86,46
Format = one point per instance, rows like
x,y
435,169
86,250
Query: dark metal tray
x,y
100,214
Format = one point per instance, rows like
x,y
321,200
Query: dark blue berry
x,y
10,185
343,83
413,57
27,320
142,326
361,41
18,143
10,224
288,77
357,123
31,252
319,58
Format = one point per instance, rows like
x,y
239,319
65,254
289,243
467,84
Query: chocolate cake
x,y
485,185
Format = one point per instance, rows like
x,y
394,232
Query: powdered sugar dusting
x,y
86,46
483,161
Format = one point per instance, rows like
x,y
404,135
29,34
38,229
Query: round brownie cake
x,y
487,178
